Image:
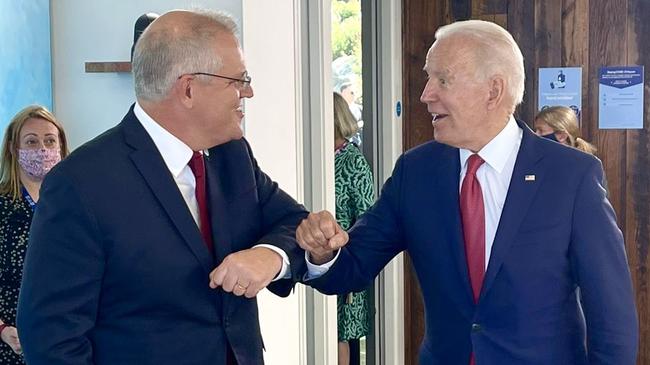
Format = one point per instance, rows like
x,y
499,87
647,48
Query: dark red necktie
x,y
473,216
197,164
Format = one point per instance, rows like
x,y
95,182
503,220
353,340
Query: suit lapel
x,y
520,195
151,166
218,208
449,180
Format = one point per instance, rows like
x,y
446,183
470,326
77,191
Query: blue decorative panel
x,y
25,59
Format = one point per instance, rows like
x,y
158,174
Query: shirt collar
x,y
174,152
497,151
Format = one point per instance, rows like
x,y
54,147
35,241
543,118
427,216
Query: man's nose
x,y
247,92
429,93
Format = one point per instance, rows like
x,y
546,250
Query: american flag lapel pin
x,y
529,178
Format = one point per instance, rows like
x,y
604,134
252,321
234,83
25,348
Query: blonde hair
x,y
564,119
10,169
345,124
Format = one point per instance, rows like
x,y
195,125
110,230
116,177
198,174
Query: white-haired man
x,y
503,227
129,230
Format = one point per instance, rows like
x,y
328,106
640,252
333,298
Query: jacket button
x,y
476,327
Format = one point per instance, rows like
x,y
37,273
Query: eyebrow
x,y
34,134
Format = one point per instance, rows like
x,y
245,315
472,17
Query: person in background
x,y
346,90
140,25
560,124
350,97
34,142
354,195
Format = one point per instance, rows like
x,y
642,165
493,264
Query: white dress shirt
x,y
177,155
494,176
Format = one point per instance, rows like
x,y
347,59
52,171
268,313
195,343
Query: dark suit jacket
x,y
556,234
117,272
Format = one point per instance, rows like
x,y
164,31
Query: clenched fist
x,y
321,236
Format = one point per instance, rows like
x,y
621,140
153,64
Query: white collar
x,y
174,152
497,151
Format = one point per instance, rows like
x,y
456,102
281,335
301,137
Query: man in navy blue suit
x,y
151,241
513,240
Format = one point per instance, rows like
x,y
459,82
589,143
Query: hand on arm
x,y
247,272
9,335
321,236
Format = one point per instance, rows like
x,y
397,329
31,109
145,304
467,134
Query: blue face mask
x,y
550,136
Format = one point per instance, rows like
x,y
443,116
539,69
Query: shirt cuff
x,y
284,273
315,271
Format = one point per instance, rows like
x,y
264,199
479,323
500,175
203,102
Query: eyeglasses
x,y
240,84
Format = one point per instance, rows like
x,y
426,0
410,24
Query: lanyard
x,y
341,148
28,198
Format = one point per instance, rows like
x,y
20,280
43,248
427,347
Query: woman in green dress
x,y
354,195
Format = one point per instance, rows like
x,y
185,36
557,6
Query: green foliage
x,y
346,33
346,28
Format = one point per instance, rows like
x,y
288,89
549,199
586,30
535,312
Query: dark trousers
x,y
355,352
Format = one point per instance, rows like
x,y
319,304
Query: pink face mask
x,y
37,163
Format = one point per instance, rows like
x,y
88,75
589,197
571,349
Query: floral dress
x,y
15,220
354,195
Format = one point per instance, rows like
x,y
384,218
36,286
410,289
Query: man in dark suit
x,y
514,243
130,226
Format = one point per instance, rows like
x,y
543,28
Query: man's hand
x,y
10,337
321,236
247,272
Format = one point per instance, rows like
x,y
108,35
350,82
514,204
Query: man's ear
x,y
183,90
497,91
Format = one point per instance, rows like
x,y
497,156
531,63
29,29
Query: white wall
x,y
271,126
89,103
97,31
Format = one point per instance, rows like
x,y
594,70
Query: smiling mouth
x,y
437,117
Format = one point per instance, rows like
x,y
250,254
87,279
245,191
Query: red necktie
x,y
197,165
473,216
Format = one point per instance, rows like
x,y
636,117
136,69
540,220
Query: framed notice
x,y
560,86
620,98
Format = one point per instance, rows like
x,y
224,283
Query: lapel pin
x,y
529,178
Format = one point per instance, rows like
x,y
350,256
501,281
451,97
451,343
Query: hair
x,y
564,119
10,169
345,124
164,54
496,53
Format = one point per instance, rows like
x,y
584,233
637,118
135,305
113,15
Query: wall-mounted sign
x,y
560,86
620,97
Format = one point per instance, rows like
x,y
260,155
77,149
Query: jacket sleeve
x,y
62,278
600,265
281,215
375,239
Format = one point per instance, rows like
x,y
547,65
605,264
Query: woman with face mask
x,y
560,124
34,142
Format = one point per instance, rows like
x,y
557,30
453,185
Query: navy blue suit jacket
x,y
117,272
557,233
